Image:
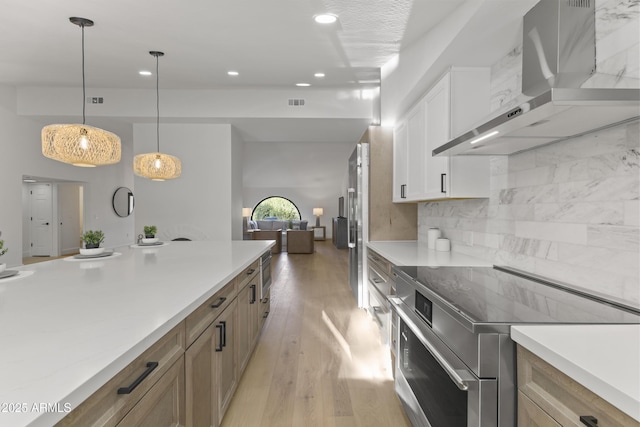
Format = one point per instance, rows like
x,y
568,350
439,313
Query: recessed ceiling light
x,y
144,73
303,84
233,73
325,18
319,75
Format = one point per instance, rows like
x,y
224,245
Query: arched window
x,y
275,207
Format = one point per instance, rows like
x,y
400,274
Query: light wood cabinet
x,y
164,403
387,220
108,405
225,358
547,396
200,373
211,369
450,107
248,312
204,315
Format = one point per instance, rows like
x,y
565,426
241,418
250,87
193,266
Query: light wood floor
x,y
319,361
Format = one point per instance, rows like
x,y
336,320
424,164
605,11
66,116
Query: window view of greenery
x,y
276,208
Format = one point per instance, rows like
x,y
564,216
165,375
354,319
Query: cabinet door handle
x,y
402,192
443,177
219,302
266,313
220,346
253,294
589,420
224,333
150,367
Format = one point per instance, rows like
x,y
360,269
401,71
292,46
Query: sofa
x,y
277,224
300,242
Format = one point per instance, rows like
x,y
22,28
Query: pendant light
x,y
80,145
157,166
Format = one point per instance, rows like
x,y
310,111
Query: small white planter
x,y
3,266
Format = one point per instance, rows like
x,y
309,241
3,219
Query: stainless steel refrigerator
x,y
357,217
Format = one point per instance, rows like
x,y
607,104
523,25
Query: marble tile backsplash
x,y
569,210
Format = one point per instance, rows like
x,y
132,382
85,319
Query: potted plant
x,y
150,231
92,239
2,252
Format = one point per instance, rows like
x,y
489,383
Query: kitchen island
x,y
69,326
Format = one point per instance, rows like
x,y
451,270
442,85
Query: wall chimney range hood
x,y
558,56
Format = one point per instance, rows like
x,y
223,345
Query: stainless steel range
x,y
456,362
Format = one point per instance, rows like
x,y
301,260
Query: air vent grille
x,y
579,3
296,102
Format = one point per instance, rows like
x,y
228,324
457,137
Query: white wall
x,y
310,174
196,205
20,154
237,171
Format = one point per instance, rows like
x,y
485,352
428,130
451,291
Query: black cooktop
x,y
499,295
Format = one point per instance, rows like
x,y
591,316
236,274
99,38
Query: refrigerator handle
x,y
351,193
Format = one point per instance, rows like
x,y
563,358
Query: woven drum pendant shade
x,y
80,145
157,166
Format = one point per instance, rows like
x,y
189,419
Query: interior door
x,y
41,219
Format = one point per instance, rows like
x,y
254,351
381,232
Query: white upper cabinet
x,y
450,107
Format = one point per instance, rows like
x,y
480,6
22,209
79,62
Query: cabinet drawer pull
x,y
150,367
253,294
251,271
589,420
220,346
219,303
266,300
224,333
266,313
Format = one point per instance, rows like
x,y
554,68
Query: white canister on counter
x,y
443,245
432,235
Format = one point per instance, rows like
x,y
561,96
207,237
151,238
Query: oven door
x,y
436,388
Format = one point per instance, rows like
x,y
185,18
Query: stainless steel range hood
x,y
558,56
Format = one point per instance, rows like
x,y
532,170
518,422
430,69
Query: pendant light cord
x,y
84,102
158,102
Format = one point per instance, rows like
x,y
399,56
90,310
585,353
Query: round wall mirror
x,y
123,202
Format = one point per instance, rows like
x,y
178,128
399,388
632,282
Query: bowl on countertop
x,y
152,240
93,251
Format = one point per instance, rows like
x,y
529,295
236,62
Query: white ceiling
x,y
271,43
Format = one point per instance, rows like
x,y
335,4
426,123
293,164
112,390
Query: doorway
x,y
52,218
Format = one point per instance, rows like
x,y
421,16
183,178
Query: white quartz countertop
x,y
414,253
69,327
603,358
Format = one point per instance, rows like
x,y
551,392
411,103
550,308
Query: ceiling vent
x,y
296,102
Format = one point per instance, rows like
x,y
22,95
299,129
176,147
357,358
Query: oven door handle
x,y
460,382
